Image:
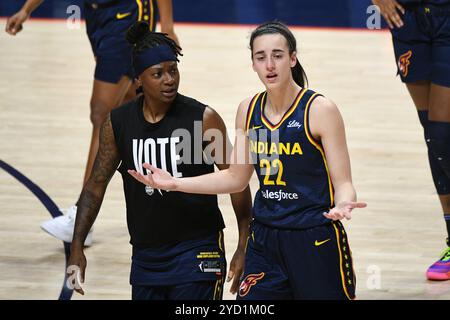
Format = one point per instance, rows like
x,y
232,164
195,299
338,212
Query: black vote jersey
x,y
174,144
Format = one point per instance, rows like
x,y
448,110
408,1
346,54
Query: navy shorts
x,y
422,45
202,290
314,263
106,27
192,270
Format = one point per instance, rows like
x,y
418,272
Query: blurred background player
x,y
421,37
177,238
106,24
298,248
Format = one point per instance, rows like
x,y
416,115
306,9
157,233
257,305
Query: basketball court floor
x,y
45,84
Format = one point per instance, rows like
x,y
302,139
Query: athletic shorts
x,y
422,45
314,263
193,270
106,26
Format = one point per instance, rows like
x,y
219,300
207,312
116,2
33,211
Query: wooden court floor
x,y
45,83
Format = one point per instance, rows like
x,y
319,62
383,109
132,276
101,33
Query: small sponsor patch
x,y
212,266
208,255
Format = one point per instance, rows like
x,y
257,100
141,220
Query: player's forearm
x,y
165,15
242,206
344,192
219,182
88,207
31,5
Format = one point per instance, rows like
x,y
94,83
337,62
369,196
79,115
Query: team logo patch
x,y
249,281
403,63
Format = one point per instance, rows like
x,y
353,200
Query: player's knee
x,y
423,118
99,111
439,144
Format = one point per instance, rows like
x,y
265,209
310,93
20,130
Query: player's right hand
x,y
14,23
390,11
76,271
155,178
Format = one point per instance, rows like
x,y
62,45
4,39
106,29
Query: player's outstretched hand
x,y
155,178
343,210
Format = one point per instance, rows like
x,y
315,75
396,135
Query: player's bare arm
x,y
15,22
234,179
165,8
91,197
327,126
241,201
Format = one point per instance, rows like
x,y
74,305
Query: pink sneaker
x,y
440,270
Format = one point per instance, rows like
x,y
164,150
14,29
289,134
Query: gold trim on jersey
x,y
218,289
338,241
219,283
318,147
221,241
151,14
250,111
139,3
286,115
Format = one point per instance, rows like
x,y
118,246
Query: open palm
x,y
344,210
156,178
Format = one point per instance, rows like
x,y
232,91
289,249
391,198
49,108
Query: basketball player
x,y
298,248
421,36
177,238
106,23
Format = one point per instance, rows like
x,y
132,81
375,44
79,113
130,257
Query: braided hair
x,y
140,36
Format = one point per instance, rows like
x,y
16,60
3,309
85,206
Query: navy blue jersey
x,y
438,2
295,185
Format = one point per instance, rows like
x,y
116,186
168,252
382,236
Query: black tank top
x,y
161,218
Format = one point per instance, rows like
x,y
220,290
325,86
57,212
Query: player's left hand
x,y
343,210
236,269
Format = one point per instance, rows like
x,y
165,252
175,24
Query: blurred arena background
x,y
45,85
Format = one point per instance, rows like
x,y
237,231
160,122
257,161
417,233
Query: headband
x,y
151,56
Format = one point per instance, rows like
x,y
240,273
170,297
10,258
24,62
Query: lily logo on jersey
x,y
121,16
294,124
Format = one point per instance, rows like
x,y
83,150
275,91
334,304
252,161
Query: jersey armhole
x,y
309,135
250,109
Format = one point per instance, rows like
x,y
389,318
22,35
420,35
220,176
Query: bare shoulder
x,y
324,116
242,111
210,113
212,119
322,105
245,104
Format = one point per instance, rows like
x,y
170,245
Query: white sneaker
x,y
62,227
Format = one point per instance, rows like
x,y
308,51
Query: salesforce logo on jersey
x,y
279,195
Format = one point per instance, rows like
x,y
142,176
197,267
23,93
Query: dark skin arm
x,y
91,197
15,22
241,201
